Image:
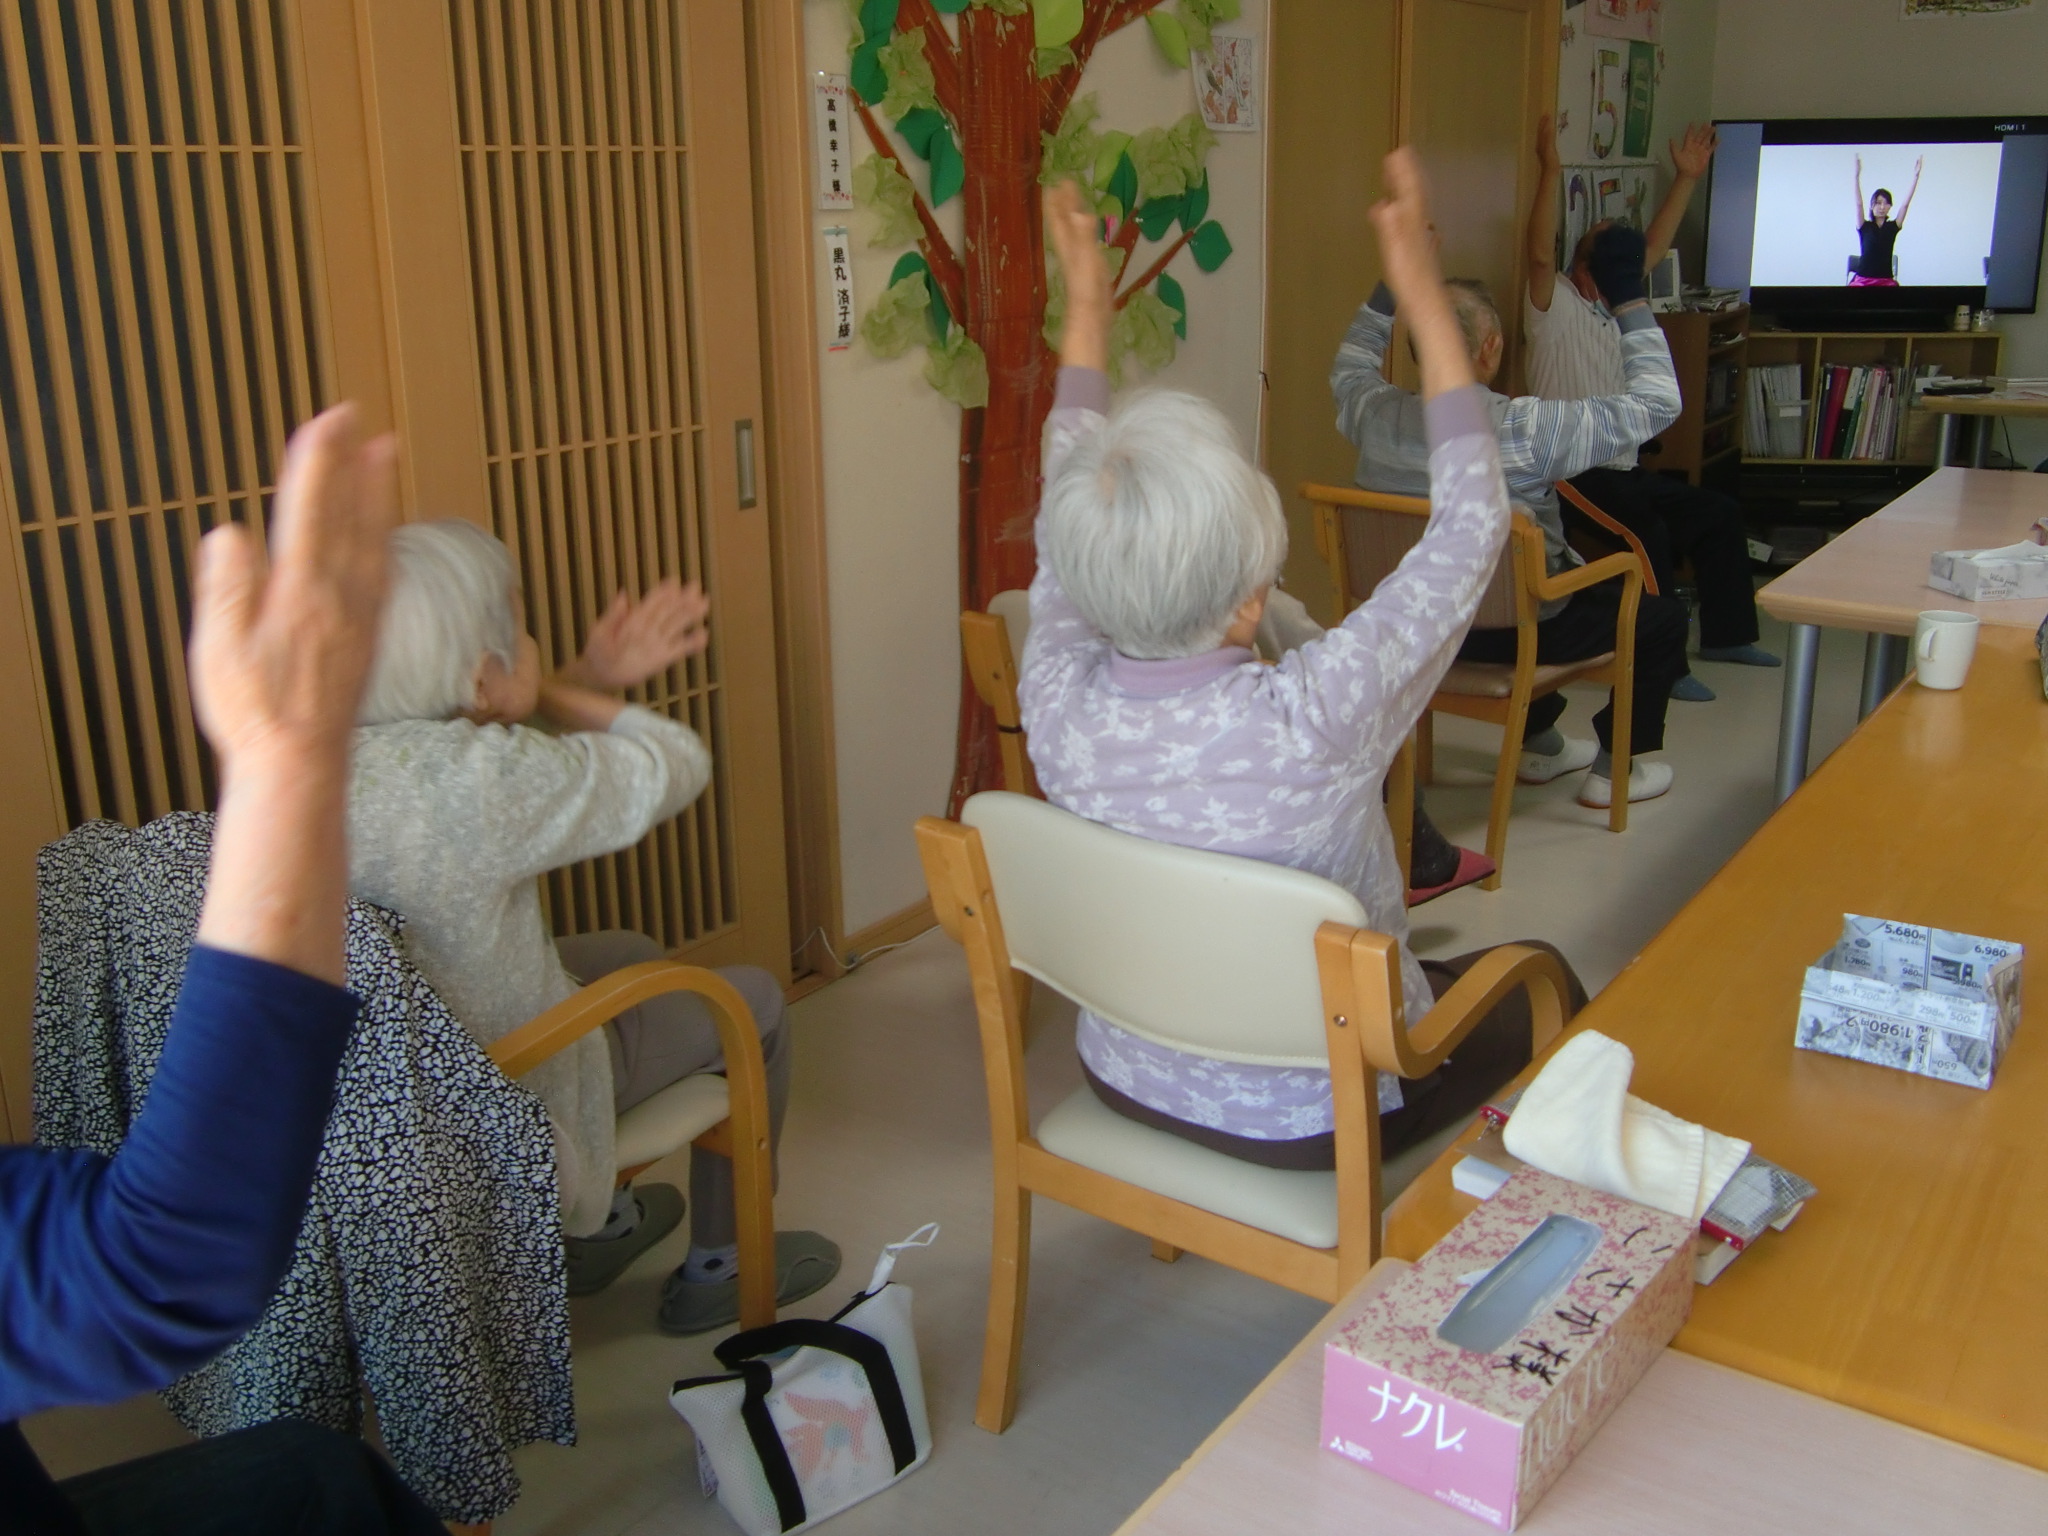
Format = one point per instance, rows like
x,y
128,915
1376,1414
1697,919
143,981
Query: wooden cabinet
x,y
1958,354
1709,351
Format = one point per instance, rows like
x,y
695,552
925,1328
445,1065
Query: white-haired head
x,y
451,606
1159,528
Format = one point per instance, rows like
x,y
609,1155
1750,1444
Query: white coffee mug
x,y
1943,643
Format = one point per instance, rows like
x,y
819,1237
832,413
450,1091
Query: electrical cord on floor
x,y
855,959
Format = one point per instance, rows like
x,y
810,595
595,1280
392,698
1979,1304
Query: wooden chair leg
x,y
1425,748
1165,1253
1512,731
1023,1003
1008,1280
753,1194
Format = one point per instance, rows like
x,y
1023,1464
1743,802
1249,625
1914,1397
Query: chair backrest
x,y
1365,534
992,644
1014,609
1199,951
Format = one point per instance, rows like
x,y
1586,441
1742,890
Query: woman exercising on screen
x,y
1879,231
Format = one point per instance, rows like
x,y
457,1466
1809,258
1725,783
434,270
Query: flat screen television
x,y
1879,223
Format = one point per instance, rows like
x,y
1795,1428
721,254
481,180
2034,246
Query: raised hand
x,y
1071,226
1408,245
279,659
1691,155
636,641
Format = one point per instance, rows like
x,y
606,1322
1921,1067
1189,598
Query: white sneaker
x,y
1542,767
1646,781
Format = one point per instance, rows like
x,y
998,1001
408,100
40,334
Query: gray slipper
x,y
595,1263
804,1263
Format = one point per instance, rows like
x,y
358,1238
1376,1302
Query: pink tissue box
x,y
1488,1433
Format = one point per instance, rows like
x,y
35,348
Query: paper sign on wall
x,y
831,121
838,269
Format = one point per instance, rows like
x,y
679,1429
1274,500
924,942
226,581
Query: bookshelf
x,y
1957,353
1708,352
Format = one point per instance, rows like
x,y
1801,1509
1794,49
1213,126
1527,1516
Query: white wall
x,y
1859,58
891,480
1684,95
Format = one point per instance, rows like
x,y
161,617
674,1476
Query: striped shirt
x,y
1541,441
1574,352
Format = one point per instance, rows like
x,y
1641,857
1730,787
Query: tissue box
x,y
1987,575
1488,1430
1923,1000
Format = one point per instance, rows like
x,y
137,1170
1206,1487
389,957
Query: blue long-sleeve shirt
x,y
120,1275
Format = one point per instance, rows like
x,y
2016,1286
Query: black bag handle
x,y
864,1350
781,1476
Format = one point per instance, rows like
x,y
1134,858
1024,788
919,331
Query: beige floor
x,y
1127,1362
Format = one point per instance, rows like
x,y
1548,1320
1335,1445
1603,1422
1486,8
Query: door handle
x,y
743,460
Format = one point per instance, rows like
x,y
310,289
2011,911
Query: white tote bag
x,y
813,1416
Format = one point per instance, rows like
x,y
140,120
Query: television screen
x,y
1879,216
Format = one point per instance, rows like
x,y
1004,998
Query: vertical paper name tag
x,y
837,258
831,122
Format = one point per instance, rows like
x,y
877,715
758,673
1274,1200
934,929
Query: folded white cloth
x,y
1579,1121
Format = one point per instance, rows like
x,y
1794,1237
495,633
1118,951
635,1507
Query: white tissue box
x,y
1988,575
1925,1000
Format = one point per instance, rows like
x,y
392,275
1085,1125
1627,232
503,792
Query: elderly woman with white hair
x,y
1159,544
458,805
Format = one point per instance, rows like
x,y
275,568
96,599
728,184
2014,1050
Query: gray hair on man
x,y
1158,527
1478,316
451,605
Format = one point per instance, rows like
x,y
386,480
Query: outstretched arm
x,y
1861,206
1690,158
1907,206
1542,249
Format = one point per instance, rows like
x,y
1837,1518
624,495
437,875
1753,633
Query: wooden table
x,y
1915,1285
1696,1448
2001,402
1874,578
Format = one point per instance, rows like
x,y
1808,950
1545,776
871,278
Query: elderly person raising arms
x,y
1147,711
459,805
120,1275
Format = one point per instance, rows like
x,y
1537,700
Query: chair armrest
x,y
1620,530
1567,582
605,999
1418,1051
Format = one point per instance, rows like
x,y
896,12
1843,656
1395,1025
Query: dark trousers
x,y
1678,522
1495,1051
1585,627
285,1478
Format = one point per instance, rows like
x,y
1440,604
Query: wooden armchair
x,y
1362,535
726,1114
1227,957
1614,530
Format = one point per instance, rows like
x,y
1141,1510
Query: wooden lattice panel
x,y
575,169
165,339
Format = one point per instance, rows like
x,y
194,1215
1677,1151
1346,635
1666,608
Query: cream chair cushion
x,y
671,1119
1490,680
1199,951
1301,1207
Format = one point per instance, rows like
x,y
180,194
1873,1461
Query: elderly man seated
x,y
1146,710
1541,442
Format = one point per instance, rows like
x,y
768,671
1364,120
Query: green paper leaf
x,y
1175,298
1171,37
1113,146
1169,160
1123,185
949,171
1210,246
1070,154
1143,329
1156,217
957,369
1003,7
899,319
1195,207
865,73
918,126
906,264
909,74
1055,23
1198,16
1048,62
885,191
877,20
949,7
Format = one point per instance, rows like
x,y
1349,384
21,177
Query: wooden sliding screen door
x,y
520,231
1475,75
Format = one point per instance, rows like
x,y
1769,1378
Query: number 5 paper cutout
x,y
1606,125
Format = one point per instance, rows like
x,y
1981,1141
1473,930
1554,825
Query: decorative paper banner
x,y
1227,83
1642,100
830,122
838,269
1640,20
1917,8
1610,90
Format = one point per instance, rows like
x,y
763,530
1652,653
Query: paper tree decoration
x,y
985,109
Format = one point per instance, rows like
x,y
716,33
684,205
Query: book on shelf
x,y
1774,412
1862,413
